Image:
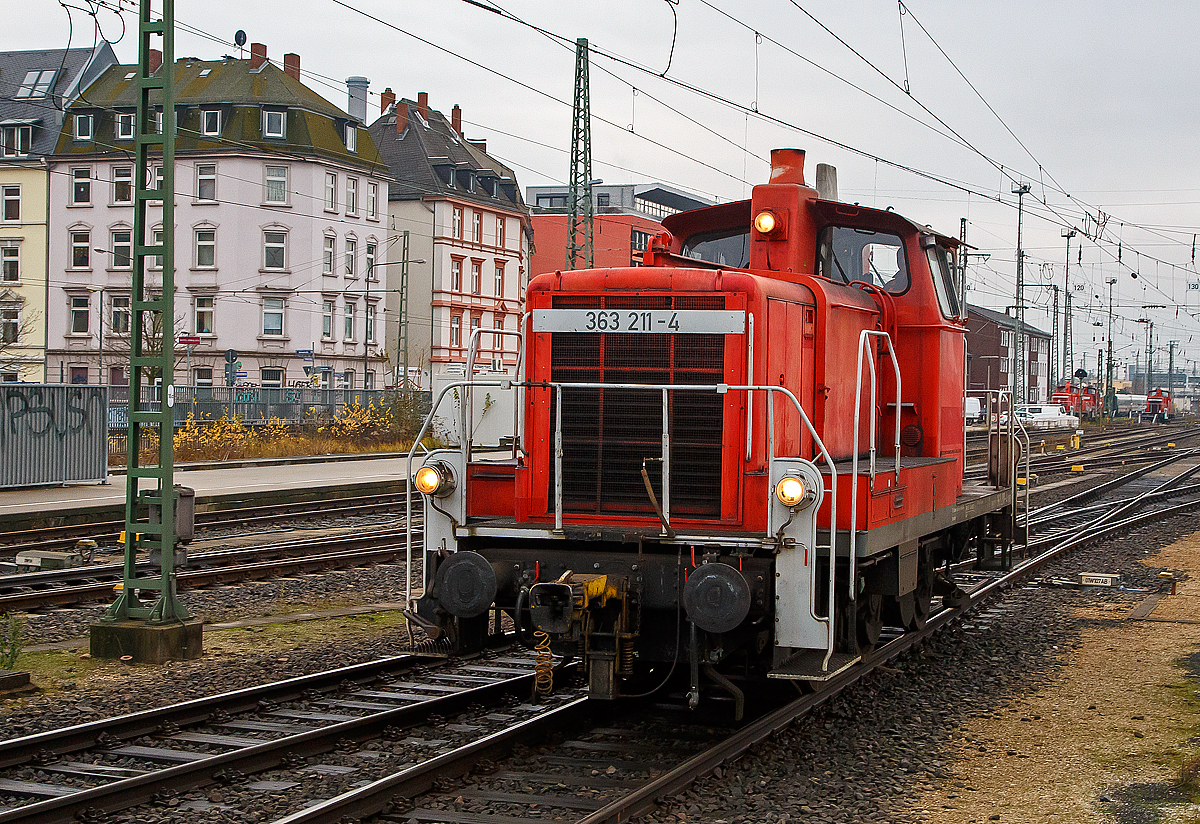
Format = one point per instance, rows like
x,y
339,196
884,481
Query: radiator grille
x,y
608,432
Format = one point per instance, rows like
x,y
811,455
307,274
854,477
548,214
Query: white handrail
x,y
863,338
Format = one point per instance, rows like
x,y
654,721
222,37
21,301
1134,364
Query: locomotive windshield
x,y
726,247
845,255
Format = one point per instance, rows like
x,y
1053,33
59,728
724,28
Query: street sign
x,y
241,374
307,354
307,371
188,340
230,355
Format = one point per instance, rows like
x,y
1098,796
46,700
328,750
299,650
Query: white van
x,y
1043,416
972,411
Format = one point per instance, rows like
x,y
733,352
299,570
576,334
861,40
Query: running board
x,y
806,666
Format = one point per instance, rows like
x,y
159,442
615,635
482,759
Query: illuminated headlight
x,y
765,222
436,479
790,490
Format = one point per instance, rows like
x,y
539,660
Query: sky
x,y
937,108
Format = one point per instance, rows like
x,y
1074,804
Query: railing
x,y
863,340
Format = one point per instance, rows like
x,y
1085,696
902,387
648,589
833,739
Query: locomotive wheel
x,y
922,596
869,620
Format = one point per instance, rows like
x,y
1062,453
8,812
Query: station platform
x,y
215,488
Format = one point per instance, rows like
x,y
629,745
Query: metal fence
x,y
52,434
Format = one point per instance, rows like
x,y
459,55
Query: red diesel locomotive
x,y
743,458
1083,401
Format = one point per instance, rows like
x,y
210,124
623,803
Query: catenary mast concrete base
x,y
147,643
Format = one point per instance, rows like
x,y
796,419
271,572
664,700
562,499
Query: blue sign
x,y
241,374
307,354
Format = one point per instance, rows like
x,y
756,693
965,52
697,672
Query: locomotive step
x,y
806,666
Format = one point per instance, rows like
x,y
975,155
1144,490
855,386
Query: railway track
x,y
37,590
108,529
307,732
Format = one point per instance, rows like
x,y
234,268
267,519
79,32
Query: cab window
x,y
945,277
725,247
845,255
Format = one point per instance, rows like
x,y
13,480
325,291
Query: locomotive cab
x,y
745,455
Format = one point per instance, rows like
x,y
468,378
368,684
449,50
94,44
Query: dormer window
x,y
352,137
15,140
36,83
274,123
124,126
210,122
83,127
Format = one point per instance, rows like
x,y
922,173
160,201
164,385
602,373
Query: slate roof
x,y
431,159
71,66
1004,321
315,127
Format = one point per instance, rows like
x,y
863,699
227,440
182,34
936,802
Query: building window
x,y
276,190
477,227
79,374
639,241
327,320
456,274
273,123
348,379
81,190
368,380
124,126
501,230
116,376
119,320
456,223
476,277
273,316
476,322
122,181
81,250
371,262
10,325
83,127
206,181
370,323
204,316
122,249
348,331
158,122
202,376
330,192
373,201
206,248
158,241
37,83
10,261
351,254
81,315
210,122
12,202
272,378
15,140
155,176
456,330
351,137
328,254
602,200
499,280
274,250
352,195
498,340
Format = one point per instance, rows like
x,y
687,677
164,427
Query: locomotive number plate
x,y
641,321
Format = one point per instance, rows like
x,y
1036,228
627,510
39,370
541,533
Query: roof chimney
x,y
291,65
787,166
357,106
423,104
456,120
386,100
155,60
401,118
258,56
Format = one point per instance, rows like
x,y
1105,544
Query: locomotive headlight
x,y
790,490
765,222
434,479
